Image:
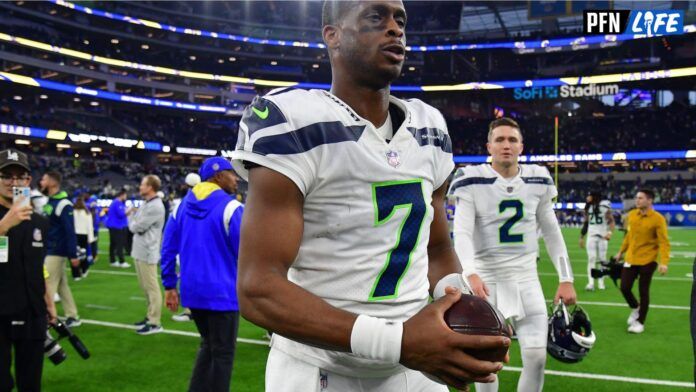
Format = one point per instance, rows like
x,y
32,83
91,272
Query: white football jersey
x,y
597,219
367,203
505,235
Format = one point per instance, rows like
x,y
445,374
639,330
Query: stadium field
x,y
110,300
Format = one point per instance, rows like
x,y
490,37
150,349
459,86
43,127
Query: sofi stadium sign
x,y
555,92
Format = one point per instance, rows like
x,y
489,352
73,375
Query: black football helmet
x,y
570,334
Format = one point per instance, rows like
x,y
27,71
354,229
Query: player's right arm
x,y
585,227
464,220
272,228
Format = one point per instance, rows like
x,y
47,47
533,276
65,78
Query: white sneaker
x,y
56,297
182,317
589,287
633,317
124,265
601,285
636,327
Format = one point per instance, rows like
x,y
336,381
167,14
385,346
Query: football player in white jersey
x,y
499,207
345,232
598,226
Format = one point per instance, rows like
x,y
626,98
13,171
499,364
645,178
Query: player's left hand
x,y
582,243
567,292
662,269
607,236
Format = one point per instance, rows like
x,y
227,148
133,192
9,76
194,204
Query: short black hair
x,y
647,192
333,11
57,177
121,193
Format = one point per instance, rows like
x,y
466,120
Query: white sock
x,y
533,364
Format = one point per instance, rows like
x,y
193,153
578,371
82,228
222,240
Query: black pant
x,y
28,343
84,264
117,244
212,371
95,245
628,276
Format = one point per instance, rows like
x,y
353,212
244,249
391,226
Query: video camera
x,y
54,351
611,268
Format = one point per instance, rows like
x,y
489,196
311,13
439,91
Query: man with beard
x,y
345,233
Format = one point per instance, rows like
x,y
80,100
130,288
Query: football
x,y
472,315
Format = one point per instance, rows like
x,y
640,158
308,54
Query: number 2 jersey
x,y
367,204
497,221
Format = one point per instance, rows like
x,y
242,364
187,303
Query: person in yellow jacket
x,y
646,236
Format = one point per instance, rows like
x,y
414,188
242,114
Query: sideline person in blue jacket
x,y
117,223
61,243
204,231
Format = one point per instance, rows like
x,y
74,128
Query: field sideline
x,y
109,301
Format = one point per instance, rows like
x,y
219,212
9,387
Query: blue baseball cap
x,y
213,165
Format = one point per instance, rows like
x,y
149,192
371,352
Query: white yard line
x,y
657,278
609,377
604,377
623,305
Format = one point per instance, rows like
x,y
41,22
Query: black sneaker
x,y
71,322
141,323
149,329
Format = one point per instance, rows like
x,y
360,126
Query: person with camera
x,y
646,235
25,306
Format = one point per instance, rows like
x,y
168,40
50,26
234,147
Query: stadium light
x,y
543,45
22,142
482,85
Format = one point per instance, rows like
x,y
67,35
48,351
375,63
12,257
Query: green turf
x,y
123,361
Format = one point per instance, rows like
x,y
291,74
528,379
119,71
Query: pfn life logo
x,y
648,23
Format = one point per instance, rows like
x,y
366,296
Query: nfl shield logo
x,y
37,235
393,158
510,189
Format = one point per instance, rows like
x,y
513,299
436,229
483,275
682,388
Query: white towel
x,y
509,300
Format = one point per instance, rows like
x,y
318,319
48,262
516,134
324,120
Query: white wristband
x,y
454,280
377,338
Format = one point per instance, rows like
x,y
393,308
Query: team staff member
x,y
646,234
24,302
146,225
204,231
61,243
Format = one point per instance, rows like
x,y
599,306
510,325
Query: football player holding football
x,y
345,233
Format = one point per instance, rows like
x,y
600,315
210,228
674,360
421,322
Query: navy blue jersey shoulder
x,y
260,114
308,138
462,182
432,137
537,180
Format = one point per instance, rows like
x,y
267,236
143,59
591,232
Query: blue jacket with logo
x,y
61,239
116,216
204,232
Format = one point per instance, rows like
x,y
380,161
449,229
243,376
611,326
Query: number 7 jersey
x,y
367,202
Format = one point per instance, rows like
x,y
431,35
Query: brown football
x,y
472,315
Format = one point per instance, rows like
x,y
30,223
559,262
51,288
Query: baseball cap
x,y
11,157
213,165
